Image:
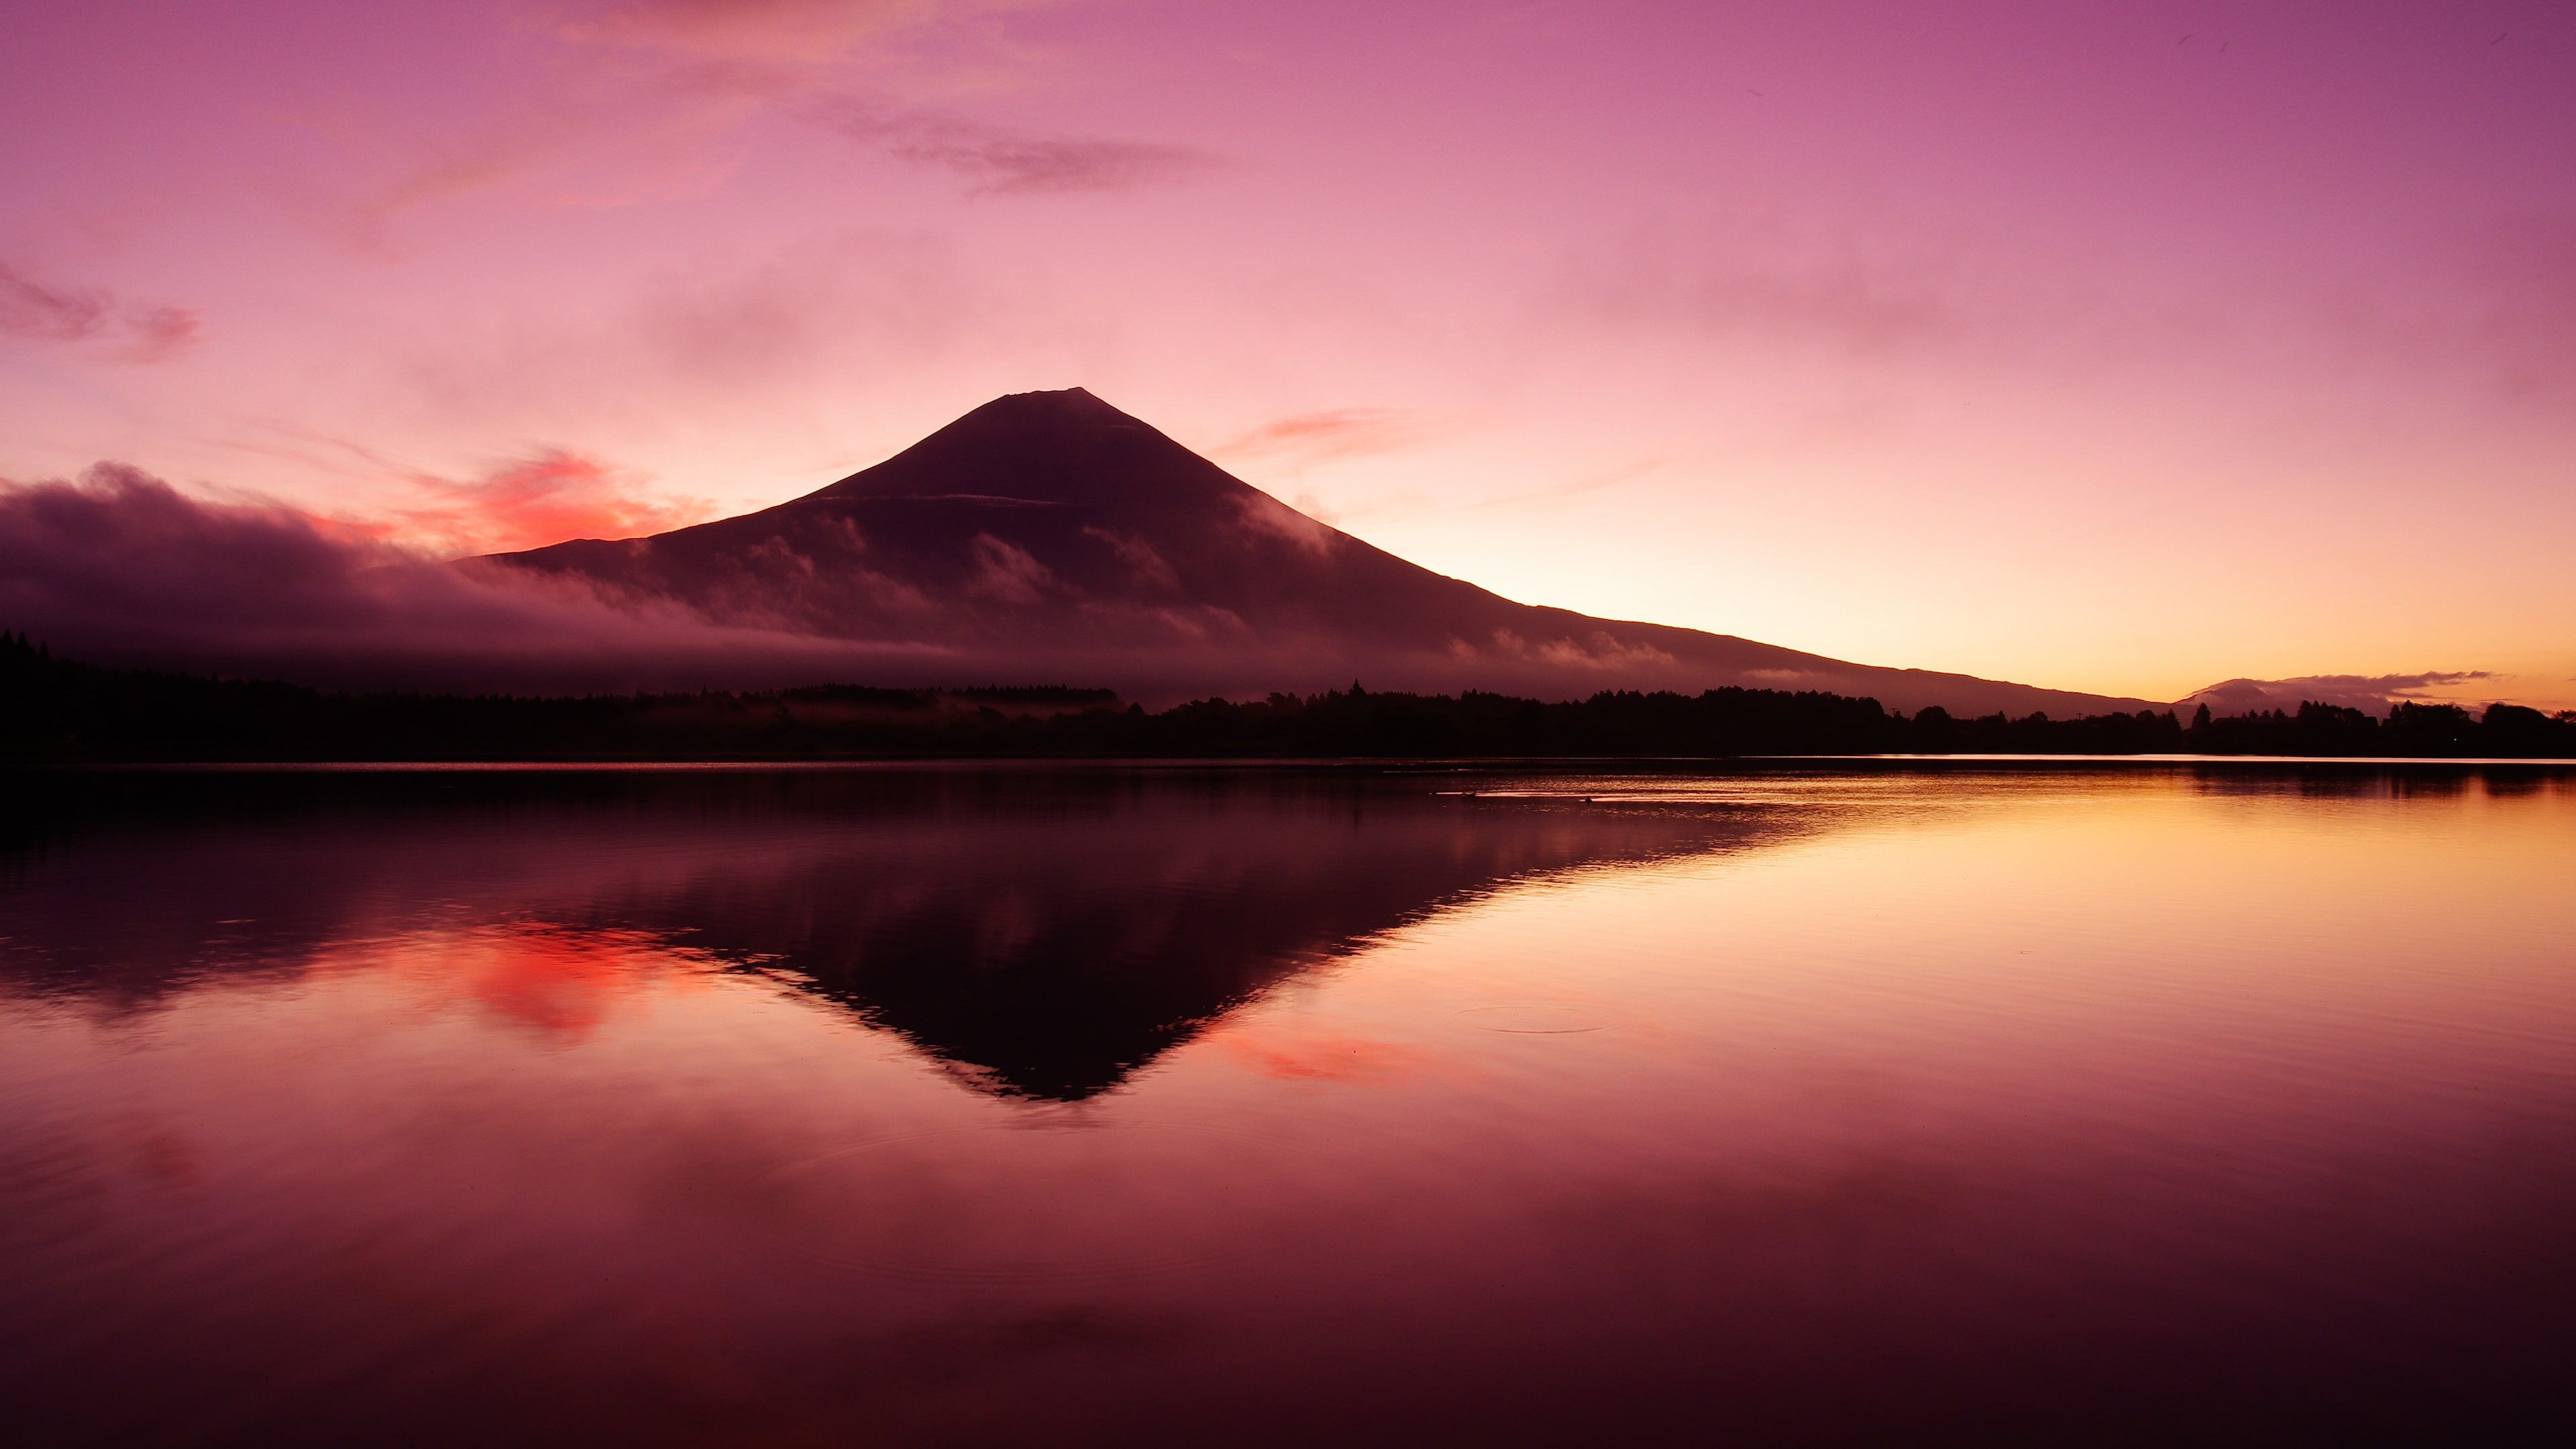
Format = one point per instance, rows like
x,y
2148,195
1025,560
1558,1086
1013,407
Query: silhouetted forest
x,y
54,710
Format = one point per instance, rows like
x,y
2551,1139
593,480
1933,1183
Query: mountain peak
x,y
1063,446
1069,407
1062,394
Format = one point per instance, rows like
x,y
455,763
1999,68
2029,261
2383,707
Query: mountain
x,y
2370,693
1049,535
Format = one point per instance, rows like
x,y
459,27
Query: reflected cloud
x,y
559,982
1040,936
1291,1056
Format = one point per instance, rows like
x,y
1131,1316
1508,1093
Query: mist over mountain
x,y
1051,532
2371,693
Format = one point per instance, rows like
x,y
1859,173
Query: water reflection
x,y
1815,1104
1045,934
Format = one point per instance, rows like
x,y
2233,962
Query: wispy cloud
x,y
1335,433
1143,561
1007,572
607,141
762,30
655,88
2525,325
784,337
1002,161
48,314
31,311
2493,304
1575,489
1726,283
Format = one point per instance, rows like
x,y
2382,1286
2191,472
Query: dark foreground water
x,y
990,1106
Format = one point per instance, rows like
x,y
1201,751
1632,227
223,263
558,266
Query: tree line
x,y
65,711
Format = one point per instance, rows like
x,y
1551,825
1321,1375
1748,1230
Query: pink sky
x,y
2118,347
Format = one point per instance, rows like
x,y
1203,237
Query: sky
x,y
2122,347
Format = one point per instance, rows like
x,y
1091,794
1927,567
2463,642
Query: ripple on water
x,y
1014,1203
1534,1018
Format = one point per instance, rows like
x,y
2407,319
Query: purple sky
x,y
2111,346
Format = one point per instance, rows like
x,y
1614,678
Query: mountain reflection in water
x,y
1043,933
1834,1103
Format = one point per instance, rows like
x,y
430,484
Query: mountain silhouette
x,y
1049,535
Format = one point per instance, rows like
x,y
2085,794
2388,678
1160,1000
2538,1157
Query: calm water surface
x,y
1012,1106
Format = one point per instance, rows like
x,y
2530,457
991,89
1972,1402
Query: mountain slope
x,y
1049,535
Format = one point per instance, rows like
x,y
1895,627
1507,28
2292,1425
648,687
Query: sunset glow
x,y
2117,348
1138,722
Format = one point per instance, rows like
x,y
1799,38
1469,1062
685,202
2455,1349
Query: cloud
x,y
131,332
1335,433
1143,561
651,92
1596,650
1006,162
120,567
826,296
547,497
456,168
155,333
46,314
792,336
657,91
2525,325
762,30
2372,692
1575,489
1264,514
606,139
550,495
1766,289
1007,572
2492,307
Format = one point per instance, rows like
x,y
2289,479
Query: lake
x,y
983,1105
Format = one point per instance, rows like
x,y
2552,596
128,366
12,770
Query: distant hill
x,y
1048,534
